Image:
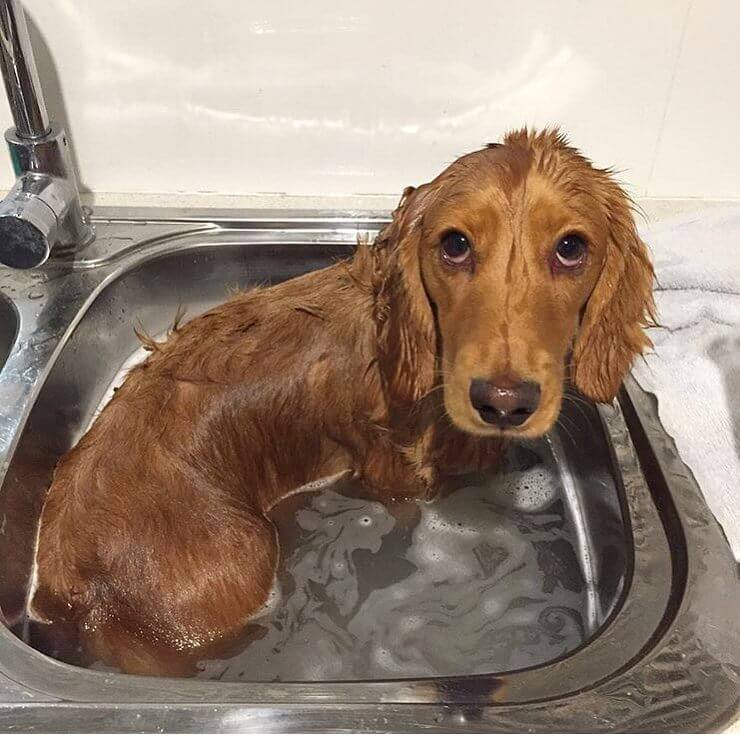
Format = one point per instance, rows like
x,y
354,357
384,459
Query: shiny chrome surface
x,y
42,211
666,657
22,84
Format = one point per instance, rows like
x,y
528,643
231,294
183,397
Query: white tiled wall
x,y
350,97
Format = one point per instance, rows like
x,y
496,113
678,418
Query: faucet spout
x,y
42,211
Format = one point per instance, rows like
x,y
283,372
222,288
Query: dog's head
x,y
516,269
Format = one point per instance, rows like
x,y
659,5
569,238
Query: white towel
x,y
694,369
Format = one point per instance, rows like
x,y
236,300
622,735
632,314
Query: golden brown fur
x,y
155,537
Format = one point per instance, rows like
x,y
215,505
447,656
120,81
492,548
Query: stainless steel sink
x,y
621,614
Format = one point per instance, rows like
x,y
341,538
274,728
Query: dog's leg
x,y
192,599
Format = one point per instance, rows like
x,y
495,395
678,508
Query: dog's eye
x,y
455,248
570,251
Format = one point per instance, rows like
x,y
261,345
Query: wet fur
x,y
155,540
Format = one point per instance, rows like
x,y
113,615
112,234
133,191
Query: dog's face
x,y
533,273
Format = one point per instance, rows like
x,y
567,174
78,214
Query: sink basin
x,y
8,328
583,586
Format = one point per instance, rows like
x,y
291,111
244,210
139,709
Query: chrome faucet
x,y
42,211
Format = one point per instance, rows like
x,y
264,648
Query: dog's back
x,y
153,535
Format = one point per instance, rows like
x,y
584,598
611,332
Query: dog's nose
x,y
506,404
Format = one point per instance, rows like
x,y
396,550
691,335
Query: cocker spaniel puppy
x,y
515,270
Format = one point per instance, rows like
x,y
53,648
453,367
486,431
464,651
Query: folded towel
x,y
694,370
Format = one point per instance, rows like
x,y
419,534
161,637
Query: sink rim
x,y
27,665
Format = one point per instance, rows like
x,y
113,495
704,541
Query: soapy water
x,y
484,579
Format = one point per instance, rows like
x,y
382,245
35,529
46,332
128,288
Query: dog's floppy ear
x,y
407,336
612,330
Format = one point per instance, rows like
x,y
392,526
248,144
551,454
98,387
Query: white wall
x,y
346,97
